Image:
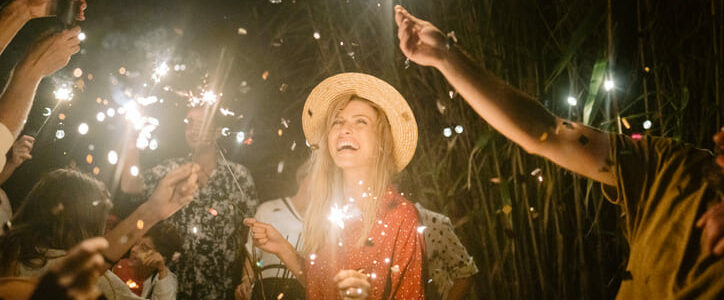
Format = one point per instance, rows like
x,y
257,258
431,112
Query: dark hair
x,y
165,239
62,209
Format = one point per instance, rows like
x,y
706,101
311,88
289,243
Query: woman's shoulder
x,y
398,205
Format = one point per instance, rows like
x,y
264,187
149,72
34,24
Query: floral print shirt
x,y
211,228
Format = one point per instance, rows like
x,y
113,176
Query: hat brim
x,y
402,121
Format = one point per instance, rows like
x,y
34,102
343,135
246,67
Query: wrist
x,y
16,11
148,214
162,272
26,71
449,59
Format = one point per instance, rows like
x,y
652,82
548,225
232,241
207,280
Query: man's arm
x,y
516,115
44,58
16,13
172,193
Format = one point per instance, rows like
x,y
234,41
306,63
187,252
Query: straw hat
x,y
340,86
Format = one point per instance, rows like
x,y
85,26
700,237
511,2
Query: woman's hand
x,y
352,284
266,237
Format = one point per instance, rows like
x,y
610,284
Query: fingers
x,y
249,222
702,220
179,174
352,284
720,161
81,13
70,34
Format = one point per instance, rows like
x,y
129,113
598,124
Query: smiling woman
x,y
363,133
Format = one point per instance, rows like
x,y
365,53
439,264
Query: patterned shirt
x,y
447,258
392,255
211,228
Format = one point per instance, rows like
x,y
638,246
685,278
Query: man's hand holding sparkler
x,y
174,191
712,222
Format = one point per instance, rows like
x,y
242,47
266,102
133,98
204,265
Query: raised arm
x,y
16,13
172,193
516,115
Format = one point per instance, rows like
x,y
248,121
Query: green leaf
x,y
591,106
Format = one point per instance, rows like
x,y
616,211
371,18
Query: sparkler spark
x,y
63,93
338,216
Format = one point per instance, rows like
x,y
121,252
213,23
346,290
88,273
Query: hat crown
x,y
335,88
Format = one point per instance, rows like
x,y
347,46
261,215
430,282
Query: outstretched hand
x,y
76,275
420,41
21,150
174,191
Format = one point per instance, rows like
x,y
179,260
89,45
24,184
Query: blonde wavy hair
x,y
326,184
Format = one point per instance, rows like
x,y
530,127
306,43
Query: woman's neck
x,y
356,182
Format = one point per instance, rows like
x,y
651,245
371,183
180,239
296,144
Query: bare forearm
x,y
515,114
12,19
525,121
17,99
460,289
294,262
126,233
6,172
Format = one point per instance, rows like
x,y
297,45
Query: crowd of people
x,y
347,233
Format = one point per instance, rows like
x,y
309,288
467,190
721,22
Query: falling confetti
x,y
139,224
213,212
60,134
113,157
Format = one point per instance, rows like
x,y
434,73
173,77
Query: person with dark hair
x,y
66,207
666,189
63,208
211,226
145,272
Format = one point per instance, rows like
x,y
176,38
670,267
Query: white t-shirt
x,y
284,217
6,141
6,211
